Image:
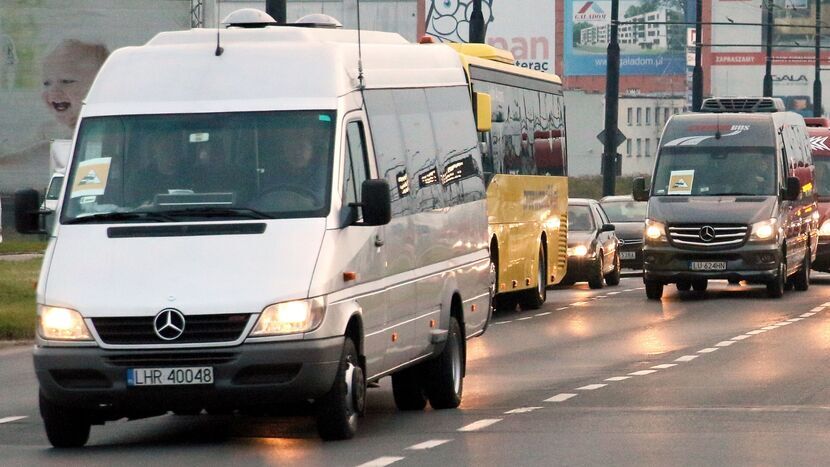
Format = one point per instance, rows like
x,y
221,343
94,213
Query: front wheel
x,y
338,410
613,277
700,285
801,280
595,279
445,384
775,288
65,428
654,290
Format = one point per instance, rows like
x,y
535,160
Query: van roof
x,y
736,129
271,68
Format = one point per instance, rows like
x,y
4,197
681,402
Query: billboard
x,y
50,52
523,27
648,46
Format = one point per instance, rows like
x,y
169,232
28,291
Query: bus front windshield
x,y
188,167
715,171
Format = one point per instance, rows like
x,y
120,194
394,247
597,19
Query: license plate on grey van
x,y
707,265
628,255
169,376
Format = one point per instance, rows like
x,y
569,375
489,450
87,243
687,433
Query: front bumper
x,y
248,375
752,263
580,268
822,262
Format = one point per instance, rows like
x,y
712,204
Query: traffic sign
x,y
619,138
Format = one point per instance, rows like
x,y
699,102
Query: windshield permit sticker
x,y
681,181
91,177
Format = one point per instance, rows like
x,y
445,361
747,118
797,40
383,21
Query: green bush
x,y
17,298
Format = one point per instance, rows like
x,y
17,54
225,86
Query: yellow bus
x,y
525,166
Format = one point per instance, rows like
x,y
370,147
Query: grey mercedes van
x,y
731,198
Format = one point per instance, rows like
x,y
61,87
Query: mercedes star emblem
x,y
707,233
169,324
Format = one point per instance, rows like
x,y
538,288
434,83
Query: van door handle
x,y
378,240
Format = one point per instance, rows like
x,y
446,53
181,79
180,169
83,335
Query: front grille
x,y
695,236
198,329
631,241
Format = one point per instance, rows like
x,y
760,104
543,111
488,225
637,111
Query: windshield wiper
x,y
211,211
733,194
120,216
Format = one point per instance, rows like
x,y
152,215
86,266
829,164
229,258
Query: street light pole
x,y
768,74
477,24
697,73
612,94
277,10
817,80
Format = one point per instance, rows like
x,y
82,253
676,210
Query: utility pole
x,y
612,96
768,74
276,8
697,73
477,31
817,80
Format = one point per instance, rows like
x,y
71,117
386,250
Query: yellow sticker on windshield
x,y
91,177
681,181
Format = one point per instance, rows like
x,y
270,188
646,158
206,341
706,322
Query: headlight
x,y
655,231
56,323
825,228
290,318
763,230
579,250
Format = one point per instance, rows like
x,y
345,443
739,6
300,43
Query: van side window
x,y
355,171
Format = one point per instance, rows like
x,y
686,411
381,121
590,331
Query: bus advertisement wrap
x,y
650,48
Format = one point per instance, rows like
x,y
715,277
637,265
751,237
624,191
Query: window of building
x,y
629,115
648,147
665,115
648,115
639,116
628,146
639,147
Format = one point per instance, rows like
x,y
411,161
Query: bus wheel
x,y
535,298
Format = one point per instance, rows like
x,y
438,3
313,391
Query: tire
x,y
408,389
613,277
494,283
506,301
801,280
684,286
595,279
445,384
535,298
338,410
700,285
654,290
775,288
65,428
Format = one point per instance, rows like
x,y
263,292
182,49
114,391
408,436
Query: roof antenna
x,y
717,126
361,84
219,48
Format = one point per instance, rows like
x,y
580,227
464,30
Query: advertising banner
x,y
50,52
648,46
526,28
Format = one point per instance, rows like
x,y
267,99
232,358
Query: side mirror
x,y
793,189
27,212
608,228
483,108
639,189
376,203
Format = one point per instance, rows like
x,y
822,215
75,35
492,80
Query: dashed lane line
x,y
561,397
663,366
708,350
12,419
525,318
522,410
795,320
768,328
617,378
428,444
591,387
686,358
724,343
382,461
817,309
543,314
741,337
756,332
642,372
807,315
562,308
484,423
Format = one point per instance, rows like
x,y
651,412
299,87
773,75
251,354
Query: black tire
x,y
801,279
775,288
507,301
700,285
613,277
338,410
445,384
408,389
684,286
65,428
535,298
654,290
595,279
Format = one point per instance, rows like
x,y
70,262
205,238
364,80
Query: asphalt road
x,y
603,377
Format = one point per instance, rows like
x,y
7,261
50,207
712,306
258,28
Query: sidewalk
x,y
20,256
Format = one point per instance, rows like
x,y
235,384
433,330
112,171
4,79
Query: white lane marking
x,y
794,320
664,366
785,323
642,372
613,293
817,309
543,314
382,461
560,397
484,423
562,308
768,328
428,444
686,358
617,378
591,387
12,419
826,304
523,410
629,290
578,303
806,315
740,338
641,288
502,322
707,350
724,343
756,331
525,318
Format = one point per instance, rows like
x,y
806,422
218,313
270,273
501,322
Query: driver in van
x,y
298,182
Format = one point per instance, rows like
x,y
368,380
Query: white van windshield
x,y
715,171
201,167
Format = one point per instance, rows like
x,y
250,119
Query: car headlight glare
x,y
825,228
56,323
579,250
655,231
289,318
763,230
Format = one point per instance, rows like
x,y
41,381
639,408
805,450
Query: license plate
x,y
169,376
628,255
707,265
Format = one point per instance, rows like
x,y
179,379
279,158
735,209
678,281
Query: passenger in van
x,y
214,173
161,173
